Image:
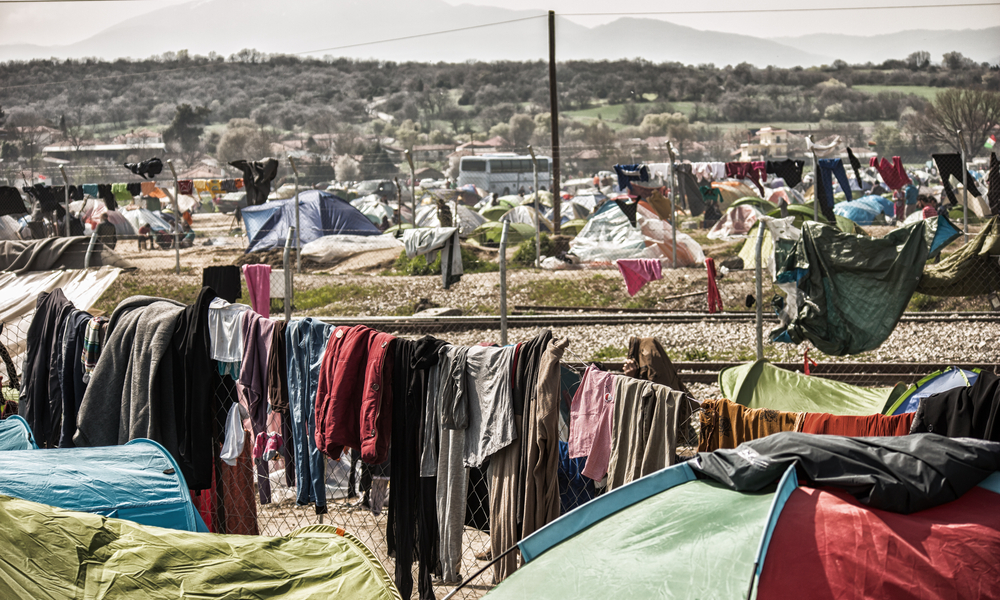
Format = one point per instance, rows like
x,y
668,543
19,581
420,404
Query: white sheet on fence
x,y
19,294
330,248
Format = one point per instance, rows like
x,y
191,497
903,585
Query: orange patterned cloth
x,y
726,424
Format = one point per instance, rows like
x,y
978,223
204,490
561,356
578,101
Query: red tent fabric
x,y
827,545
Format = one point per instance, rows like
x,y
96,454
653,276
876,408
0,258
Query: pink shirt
x,y
590,419
638,272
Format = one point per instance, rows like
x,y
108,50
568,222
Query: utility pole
x,y
413,187
554,108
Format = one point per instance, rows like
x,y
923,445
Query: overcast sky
x,y
58,23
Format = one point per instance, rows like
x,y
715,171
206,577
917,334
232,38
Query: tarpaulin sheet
x,y
855,288
972,270
53,554
763,385
826,546
138,481
609,236
694,540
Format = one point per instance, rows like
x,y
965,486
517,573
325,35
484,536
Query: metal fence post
x,y
177,217
965,189
62,170
674,181
760,291
503,283
90,249
286,263
298,236
555,198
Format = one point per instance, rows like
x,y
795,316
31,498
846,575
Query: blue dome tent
x,y
15,434
320,214
138,482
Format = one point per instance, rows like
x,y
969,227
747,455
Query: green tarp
x,y
763,385
695,540
972,270
54,554
855,288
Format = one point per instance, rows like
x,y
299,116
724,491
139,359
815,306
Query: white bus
x,y
504,173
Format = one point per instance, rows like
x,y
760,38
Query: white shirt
x,y
224,328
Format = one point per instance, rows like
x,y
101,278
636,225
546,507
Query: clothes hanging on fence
x,y
305,346
228,185
575,489
655,365
688,192
257,334
146,169
93,343
185,186
121,193
134,189
788,169
852,426
950,165
725,424
893,174
972,412
754,171
259,287
629,173
629,208
644,437
637,272
71,373
856,167
225,280
714,299
257,177
709,171
11,202
354,398
828,169
225,326
38,404
591,415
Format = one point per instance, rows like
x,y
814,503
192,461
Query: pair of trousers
x,y
305,341
951,165
828,169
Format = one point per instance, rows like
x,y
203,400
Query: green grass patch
x,y
598,290
339,294
418,265
129,285
610,352
926,92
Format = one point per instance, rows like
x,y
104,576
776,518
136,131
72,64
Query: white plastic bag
x,y
232,446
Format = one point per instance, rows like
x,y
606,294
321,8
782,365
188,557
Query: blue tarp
x,y
15,434
138,482
320,213
864,210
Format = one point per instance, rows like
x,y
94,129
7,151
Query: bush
x,y
525,255
418,265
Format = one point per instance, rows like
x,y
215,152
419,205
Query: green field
x,y
925,92
612,112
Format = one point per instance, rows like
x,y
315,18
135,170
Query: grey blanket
x,y
130,394
55,253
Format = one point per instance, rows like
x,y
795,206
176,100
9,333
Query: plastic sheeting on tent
x,y
972,270
372,207
469,220
673,534
935,383
320,214
59,554
851,290
9,228
140,216
735,224
90,211
609,236
330,248
762,385
526,214
589,201
15,434
138,482
734,190
867,210
569,211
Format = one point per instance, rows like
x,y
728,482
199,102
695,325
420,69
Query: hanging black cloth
x,y
690,193
789,170
146,169
225,280
411,523
951,165
76,192
630,173
994,184
903,474
104,193
524,390
855,166
11,202
257,177
629,208
193,408
972,411
46,199
71,373
41,400
134,188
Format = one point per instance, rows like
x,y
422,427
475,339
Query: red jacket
x,y
354,394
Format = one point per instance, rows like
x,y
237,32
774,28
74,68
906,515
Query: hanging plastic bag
x,y
232,446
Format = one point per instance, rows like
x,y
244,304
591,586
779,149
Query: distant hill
x,y
981,45
204,26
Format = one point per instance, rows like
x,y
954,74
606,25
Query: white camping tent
x,y
469,219
609,236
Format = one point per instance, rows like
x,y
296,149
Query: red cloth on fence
x,y
867,426
892,173
239,502
637,272
714,299
827,545
754,171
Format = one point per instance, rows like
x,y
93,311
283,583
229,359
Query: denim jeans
x,y
306,342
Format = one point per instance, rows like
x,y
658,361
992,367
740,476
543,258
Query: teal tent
x,y
138,481
15,434
762,385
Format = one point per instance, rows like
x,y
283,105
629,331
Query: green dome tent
x,y
489,233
